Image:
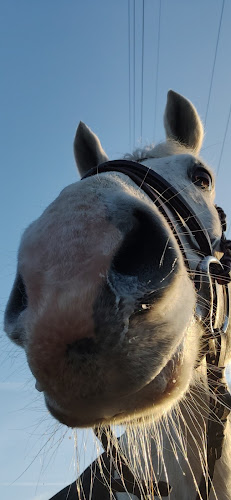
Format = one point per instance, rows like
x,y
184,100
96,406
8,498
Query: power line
x,y
223,143
142,77
129,73
157,68
214,62
134,70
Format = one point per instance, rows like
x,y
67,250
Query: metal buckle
x,y
206,285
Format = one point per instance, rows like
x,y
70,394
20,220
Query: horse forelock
x,y
167,148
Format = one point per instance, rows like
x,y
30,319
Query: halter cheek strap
x,y
163,194
210,274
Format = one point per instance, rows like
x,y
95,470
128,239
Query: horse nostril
x,y
17,303
18,299
82,347
143,248
134,248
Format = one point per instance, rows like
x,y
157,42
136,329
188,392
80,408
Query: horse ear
x,y
87,149
182,122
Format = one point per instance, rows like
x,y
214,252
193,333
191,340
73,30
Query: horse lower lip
x,y
170,371
71,420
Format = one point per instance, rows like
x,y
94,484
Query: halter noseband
x,y
210,273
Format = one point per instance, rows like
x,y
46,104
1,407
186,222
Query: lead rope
x,y
220,401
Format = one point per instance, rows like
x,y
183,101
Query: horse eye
x,y
202,179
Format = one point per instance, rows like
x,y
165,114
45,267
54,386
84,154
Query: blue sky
x,y
65,61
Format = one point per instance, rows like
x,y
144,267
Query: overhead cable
x,y
129,74
134,72
142,77
157,69
224,139
214,61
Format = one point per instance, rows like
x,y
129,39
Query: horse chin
x,y
149,402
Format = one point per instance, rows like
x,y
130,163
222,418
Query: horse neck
x,y
174,449
189,430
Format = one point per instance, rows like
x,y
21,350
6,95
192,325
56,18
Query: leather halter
x,y
210,274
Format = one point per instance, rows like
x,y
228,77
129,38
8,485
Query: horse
x,y
120,302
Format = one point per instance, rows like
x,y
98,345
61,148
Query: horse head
x,y
103,302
